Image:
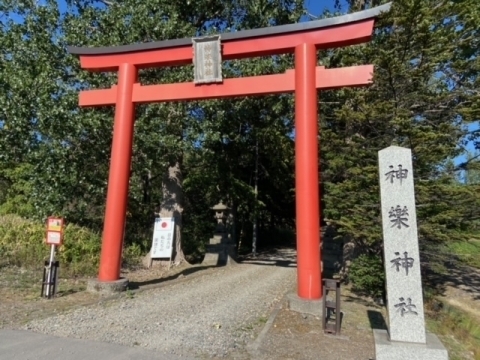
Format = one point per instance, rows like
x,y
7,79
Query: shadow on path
x,y
376,319
279,256
135,285
456,274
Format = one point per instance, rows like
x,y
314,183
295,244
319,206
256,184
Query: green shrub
x,y
132,254
22,243
80,252
367,275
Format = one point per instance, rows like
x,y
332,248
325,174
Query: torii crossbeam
x,y
302,39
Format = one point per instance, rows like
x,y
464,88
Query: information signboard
x,y
54,231
54,224
54,238
163,238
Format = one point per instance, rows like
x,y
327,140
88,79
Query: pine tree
x,y
423,94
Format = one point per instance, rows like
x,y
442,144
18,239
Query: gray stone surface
x,y
402,260
107,287
207,59
385,349
304,306
209,314
219,255
221,251
27,345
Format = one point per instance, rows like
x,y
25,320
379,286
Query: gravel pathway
x,y
209,315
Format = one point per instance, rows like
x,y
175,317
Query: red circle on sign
x,y
164,225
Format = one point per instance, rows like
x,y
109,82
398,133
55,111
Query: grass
x,y
21,299
260,322
459,331
467,251
129,294
26,283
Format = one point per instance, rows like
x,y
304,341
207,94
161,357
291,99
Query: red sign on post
x,y
54,231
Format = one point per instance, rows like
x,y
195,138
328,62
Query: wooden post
x,y
112,242
306,174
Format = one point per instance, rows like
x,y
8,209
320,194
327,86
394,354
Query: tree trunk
x,y
146,187
172,206
234,223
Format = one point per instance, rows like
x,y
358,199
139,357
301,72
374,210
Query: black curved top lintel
x,y
244,34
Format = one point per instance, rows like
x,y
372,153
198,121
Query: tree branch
x,y
106,2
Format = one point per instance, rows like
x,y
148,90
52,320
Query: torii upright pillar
x,y
302,39
306,173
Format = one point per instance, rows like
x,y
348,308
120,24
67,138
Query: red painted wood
x,y
306,174
336,36
117,194
255,85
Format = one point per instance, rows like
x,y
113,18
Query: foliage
x,y
54,157
424,97
467,251
470,174
80,250
453,324
22,243
368,275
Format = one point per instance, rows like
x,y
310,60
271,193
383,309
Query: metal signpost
x,y
50,272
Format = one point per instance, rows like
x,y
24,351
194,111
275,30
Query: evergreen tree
x,y
423,95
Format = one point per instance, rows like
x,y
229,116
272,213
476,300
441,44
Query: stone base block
x,y
304,306
107,287
392,350
219,255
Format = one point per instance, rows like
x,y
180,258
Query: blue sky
x,y
316,7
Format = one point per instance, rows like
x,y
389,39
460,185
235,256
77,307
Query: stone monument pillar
x,y
406,337
221,250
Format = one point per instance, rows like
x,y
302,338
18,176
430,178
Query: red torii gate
x,y
302,39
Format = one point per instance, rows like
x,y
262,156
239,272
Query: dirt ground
x,y
20,299
301,337
286,335
291,335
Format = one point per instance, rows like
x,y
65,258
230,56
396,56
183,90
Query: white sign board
x,y
163,238
54,237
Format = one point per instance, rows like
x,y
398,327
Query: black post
x,y
49,281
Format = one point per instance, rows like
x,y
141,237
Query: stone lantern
x,y
221,214
221,250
